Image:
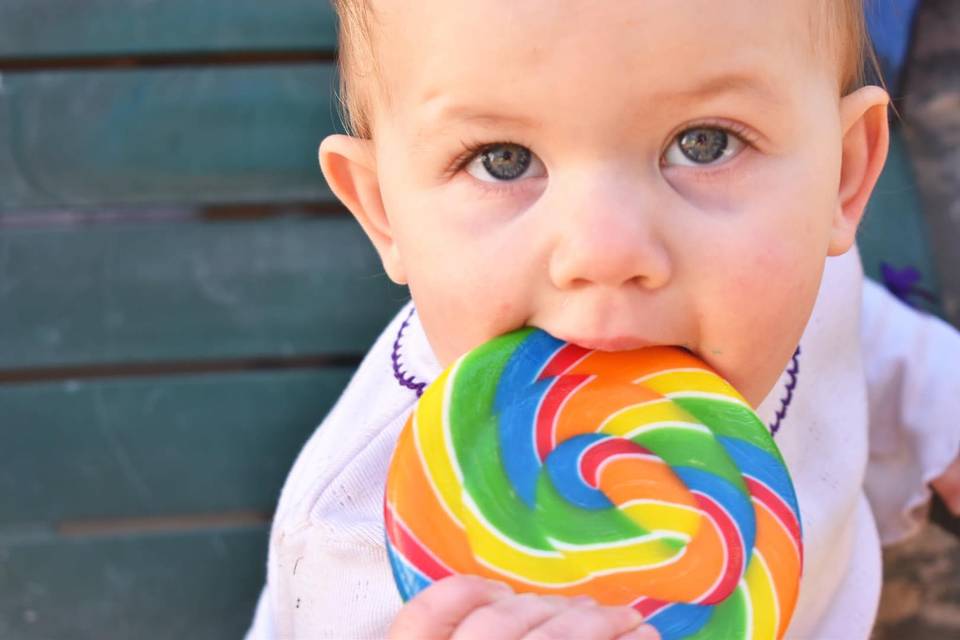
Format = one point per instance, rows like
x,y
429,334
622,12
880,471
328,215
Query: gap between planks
x,y
160,60
211,213
160,524
175,367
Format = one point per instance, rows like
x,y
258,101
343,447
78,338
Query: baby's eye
x,y
503,162
700,146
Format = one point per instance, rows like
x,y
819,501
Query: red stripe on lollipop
x,y
597,455
733,549
649,607
563,360
780,510
550,406
412,549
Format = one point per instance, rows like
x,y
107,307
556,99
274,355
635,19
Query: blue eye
x,y
502,162
700,146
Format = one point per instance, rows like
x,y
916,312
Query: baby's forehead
x,y
577,53
523,23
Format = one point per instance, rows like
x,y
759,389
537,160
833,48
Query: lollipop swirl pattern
x,y
640,478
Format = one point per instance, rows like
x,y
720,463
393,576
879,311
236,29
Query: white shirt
x,y
860,444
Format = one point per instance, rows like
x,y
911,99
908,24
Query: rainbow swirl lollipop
x,y
640,478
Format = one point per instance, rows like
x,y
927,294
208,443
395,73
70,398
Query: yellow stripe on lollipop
x,y
510,558
685,381
435,449
648,552
765,610
574,565
655,515
661,412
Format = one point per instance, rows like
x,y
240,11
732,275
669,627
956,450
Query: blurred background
x,y
182,298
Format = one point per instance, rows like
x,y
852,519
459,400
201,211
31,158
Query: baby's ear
x,y
866,135
349,165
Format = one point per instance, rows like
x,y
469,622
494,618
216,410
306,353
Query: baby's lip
x,y
612,343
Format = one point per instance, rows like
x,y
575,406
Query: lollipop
x,y
639,478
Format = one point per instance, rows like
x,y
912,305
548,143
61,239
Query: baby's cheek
x,y
761,310
780,286
461,313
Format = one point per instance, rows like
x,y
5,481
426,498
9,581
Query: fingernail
x,y
584,600
630,617
634,616
499,586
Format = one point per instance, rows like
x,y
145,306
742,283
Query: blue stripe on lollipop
x,y
731,498
754,461
680,620
410,581
517,402
563,467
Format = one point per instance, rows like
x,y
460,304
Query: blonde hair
x,y
357,65
841,27
838,29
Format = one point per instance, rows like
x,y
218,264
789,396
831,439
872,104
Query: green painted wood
x,y
44,28
160,446
189,290
165,136
200,584
893,229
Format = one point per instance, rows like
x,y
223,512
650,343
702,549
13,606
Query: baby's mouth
x,y
612,343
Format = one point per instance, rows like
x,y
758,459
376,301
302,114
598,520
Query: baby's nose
x,y
609,240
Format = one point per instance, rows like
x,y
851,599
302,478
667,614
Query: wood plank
x,y
43,28
151,587
189,290
102,138
154,447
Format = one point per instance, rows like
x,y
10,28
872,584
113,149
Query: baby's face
x,y
655,172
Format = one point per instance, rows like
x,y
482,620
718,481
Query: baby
x,y
621,174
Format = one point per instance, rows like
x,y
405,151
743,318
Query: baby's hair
x,y
357,65
838,29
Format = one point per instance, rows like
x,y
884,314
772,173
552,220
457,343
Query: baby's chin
x,y
754,383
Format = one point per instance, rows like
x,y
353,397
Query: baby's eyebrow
x,y
753,85
455,114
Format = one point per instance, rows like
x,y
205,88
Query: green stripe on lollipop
x,y
728,620
680,447
476,446
568,523
730,419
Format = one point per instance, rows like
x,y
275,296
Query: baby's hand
x,y
948,486
468,607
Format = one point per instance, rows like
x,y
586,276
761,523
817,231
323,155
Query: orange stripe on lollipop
x,y
595,401
428,521
779,550
619,367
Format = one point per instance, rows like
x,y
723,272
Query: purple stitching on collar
x,y
904,284
785,401
409,382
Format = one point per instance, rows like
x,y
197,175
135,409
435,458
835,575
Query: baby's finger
x,y
588,622
438,610
512,617
643,632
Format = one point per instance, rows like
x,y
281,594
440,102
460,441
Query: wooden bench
x,y
181,301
